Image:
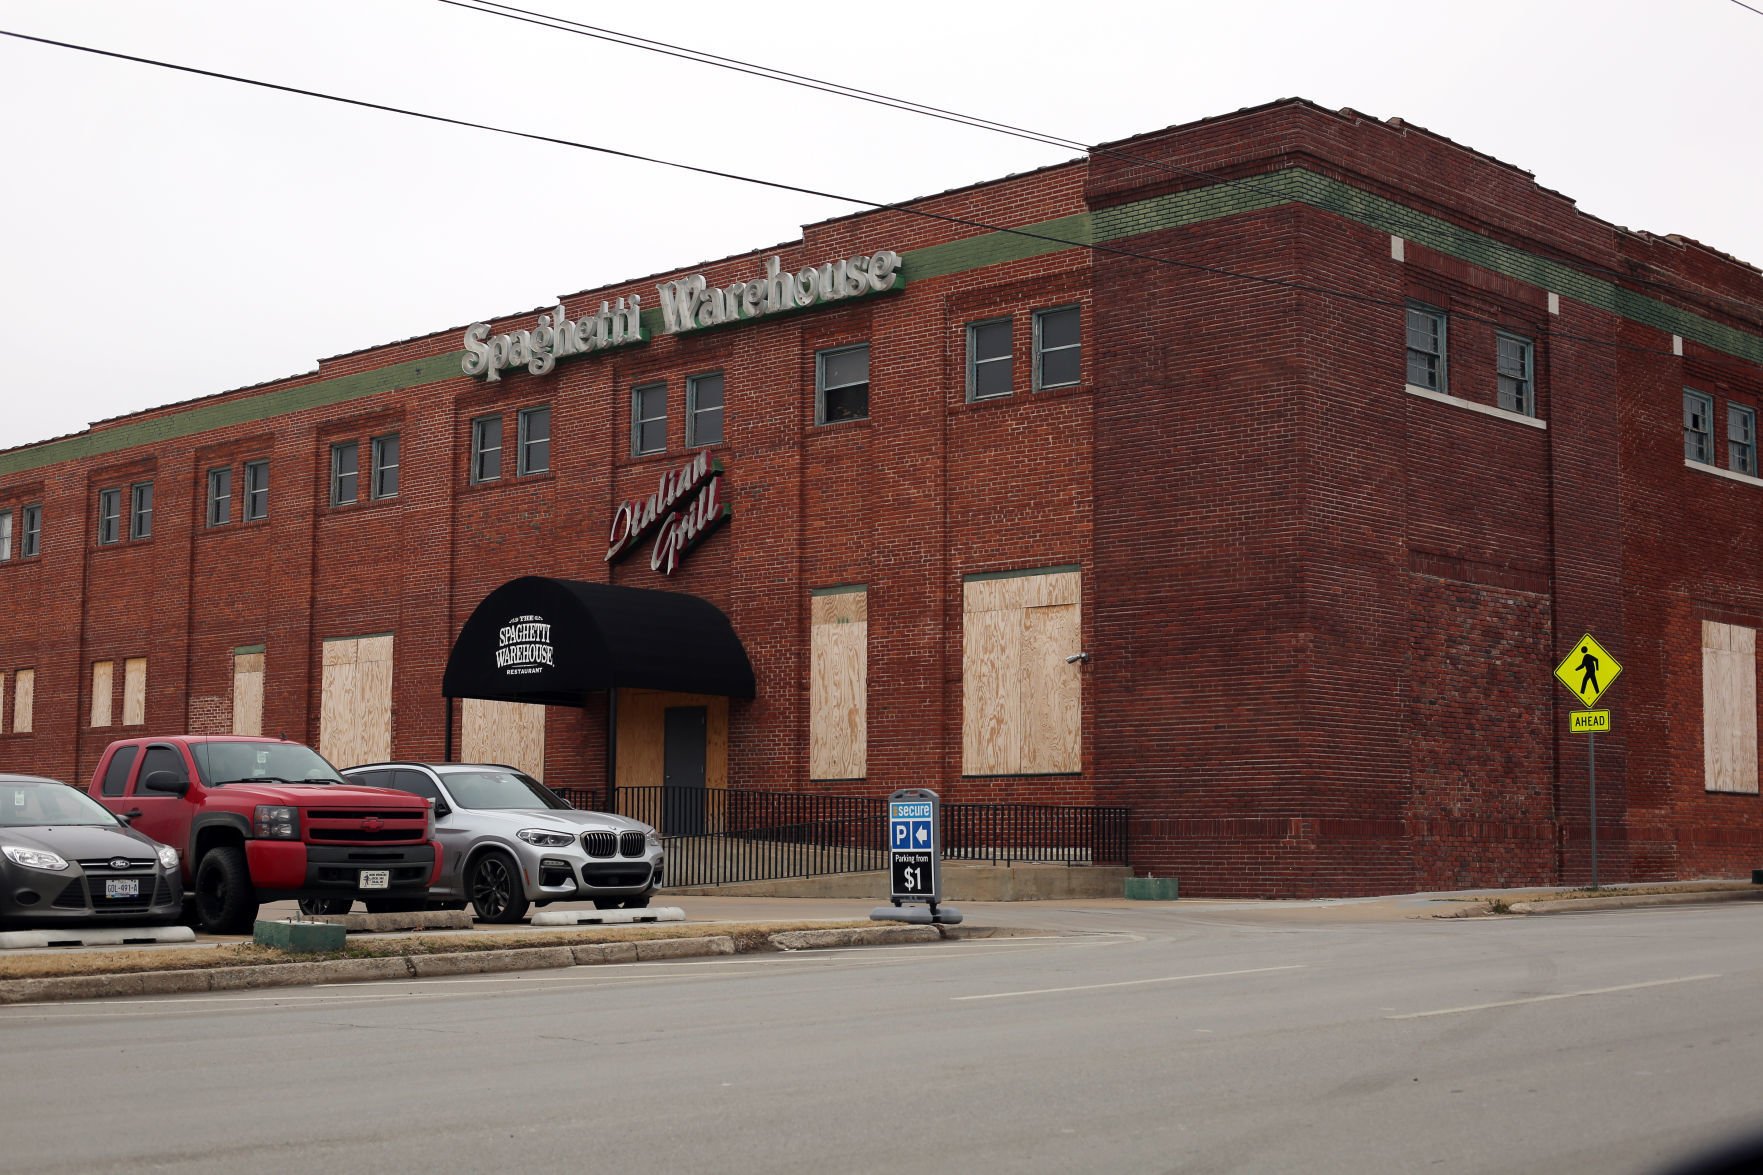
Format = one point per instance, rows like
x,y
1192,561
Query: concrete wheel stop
x,y
299,937
1152,889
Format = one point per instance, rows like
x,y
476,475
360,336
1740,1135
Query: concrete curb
x,y
1634,901
868,936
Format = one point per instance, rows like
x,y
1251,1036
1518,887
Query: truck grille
x,y
605,844
353,826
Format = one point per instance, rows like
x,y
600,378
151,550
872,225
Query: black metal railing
x,y
714,836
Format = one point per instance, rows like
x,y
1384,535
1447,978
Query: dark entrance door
x,y
683,770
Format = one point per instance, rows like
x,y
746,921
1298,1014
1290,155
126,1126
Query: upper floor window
x,y
1058,348
841,384
1698,427
486,448
704,410
1517,386
1426,348
385,466
648,419
988,359
5,535
220,496
345,472
256,490
109,516
1741,439
535,441
31,528
141,510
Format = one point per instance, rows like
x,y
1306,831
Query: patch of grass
x,y
747,935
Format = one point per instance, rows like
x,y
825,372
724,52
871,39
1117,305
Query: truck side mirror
x,y
165,781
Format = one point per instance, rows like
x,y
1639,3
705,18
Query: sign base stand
x,y
917,914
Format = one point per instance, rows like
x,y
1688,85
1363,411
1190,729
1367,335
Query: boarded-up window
x,y
248,692
1729,707
103,673
24,691
355,717
134,691
510,733
1022,694
2,703
838,692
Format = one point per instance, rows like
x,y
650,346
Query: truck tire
x,y
318,906
396,905
225,901
497,893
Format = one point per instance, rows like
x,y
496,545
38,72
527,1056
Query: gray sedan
x,y
64,858
508,842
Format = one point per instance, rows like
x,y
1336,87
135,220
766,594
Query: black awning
x,y
551,641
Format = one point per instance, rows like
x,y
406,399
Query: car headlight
x,y
544,838
652,839
34,858
168,858
277,822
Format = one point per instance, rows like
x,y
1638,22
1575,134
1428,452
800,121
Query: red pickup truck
x,y
262,819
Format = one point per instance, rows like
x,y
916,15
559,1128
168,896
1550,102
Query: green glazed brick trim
x,y
247,650
849,589
200,418
1021,573
1175,210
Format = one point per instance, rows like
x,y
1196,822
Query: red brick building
x,y
1257,481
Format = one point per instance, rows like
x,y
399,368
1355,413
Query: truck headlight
x,y
34,858
544,838
168,858
277,822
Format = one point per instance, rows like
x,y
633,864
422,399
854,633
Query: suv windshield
x,y
25,804
500,789
222,762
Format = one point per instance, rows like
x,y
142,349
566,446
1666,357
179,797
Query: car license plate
x,y
122,887
376,879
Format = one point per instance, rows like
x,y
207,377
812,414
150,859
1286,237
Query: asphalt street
x,y
1141,1038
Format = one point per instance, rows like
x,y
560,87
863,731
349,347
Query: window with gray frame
x,y
385,466
535,441
345,472
141,510
1426,348
5,535
1058,348
486,448
648,419
1741,439
1698,427
109,516
704,410
31,540
220,496
1517,386
841,384
989,369
256,490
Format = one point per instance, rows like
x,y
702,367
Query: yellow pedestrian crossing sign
x,y
1587,670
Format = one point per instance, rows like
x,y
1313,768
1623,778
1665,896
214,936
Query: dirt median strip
x,y
428,964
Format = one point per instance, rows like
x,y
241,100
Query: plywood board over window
x,y
355,716
1729,707
838,692
24,695
1022,698
248,693
511,733
103,685
134,691
2,703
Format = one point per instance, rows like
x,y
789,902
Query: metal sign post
x,y
915,860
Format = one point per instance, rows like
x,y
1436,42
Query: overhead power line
x,y
778,185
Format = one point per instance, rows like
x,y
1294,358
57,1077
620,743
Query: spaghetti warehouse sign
x,y
686,506
687,304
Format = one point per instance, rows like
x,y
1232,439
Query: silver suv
x,y
508,841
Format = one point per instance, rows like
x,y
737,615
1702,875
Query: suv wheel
x,y
497,894
225,901
325,905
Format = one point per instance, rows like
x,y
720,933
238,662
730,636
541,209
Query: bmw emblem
x,y
119,862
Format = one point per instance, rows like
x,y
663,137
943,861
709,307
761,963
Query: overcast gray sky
x,y
169,236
